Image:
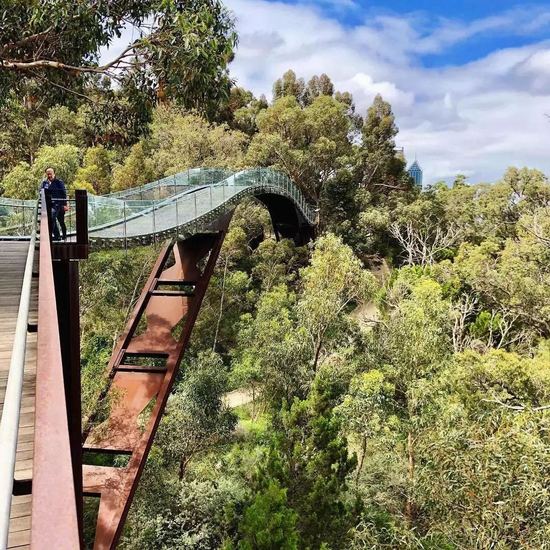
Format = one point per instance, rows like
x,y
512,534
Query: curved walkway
x,y
177,205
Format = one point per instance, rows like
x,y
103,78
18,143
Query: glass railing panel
x,y
16,219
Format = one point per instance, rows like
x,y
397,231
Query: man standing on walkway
x,y
59,202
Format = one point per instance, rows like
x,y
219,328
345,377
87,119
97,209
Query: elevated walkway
x,y
13,256
176,206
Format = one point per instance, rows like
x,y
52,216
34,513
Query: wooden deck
x,y
13,256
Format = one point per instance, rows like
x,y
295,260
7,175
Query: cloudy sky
x,y
469,80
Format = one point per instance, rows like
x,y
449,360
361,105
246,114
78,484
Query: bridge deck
x,y
169,215
12,266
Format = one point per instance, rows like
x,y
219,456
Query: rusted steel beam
x,y
160,347
66,280
54,512
80,249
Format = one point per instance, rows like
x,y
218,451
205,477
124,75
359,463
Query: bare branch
x,y
47,63
60,86
463,309
422,245
537,230
519,408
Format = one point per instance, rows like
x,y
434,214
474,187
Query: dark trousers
x,y
58,216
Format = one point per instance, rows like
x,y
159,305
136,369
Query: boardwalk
x,y
12,266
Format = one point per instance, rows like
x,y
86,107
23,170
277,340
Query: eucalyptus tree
x,y
383,169
179,49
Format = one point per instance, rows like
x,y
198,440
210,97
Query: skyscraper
x,y
416,173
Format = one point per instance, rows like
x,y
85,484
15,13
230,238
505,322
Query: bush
x,y
20,183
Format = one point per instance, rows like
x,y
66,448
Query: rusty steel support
x,y
66,278
143,370
68,304
54,512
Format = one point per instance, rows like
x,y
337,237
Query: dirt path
x,y
366,315
237,398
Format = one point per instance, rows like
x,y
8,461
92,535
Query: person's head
x,y
50,174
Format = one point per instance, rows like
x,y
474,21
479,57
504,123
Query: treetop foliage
x,y
181,50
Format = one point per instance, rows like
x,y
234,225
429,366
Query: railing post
x,y
154,224
177,218
195,197
81,207
48,201
125,229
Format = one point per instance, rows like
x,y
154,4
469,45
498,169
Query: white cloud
x,y
362,86
477,118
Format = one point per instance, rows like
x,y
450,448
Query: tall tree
x,y
384,171
333,282
310,458
310,144
289,85
196,419
268,523
318,85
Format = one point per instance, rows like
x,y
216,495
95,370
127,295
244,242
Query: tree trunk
x,y
221,305
317,354
184,462
360,467
410,510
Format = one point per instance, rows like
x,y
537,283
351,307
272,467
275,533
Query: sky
x,y
469,81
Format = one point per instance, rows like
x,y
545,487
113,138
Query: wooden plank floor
x,y
13,256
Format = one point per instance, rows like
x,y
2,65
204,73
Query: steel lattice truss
x,y
142,370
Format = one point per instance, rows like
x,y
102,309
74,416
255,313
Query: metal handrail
x,y
9,425
54,522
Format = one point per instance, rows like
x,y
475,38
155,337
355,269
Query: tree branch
x,y
27,40
47,63
519,408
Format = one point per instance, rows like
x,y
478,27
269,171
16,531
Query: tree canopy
x,y
181,49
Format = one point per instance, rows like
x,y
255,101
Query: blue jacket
x,y
57,190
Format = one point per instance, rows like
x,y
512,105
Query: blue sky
x,y
469,81
428,14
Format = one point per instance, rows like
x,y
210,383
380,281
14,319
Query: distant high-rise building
x,y
416,173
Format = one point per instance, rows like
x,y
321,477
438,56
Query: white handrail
x,y
9,425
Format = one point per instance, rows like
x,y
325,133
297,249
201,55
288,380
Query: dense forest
x,y
393,377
